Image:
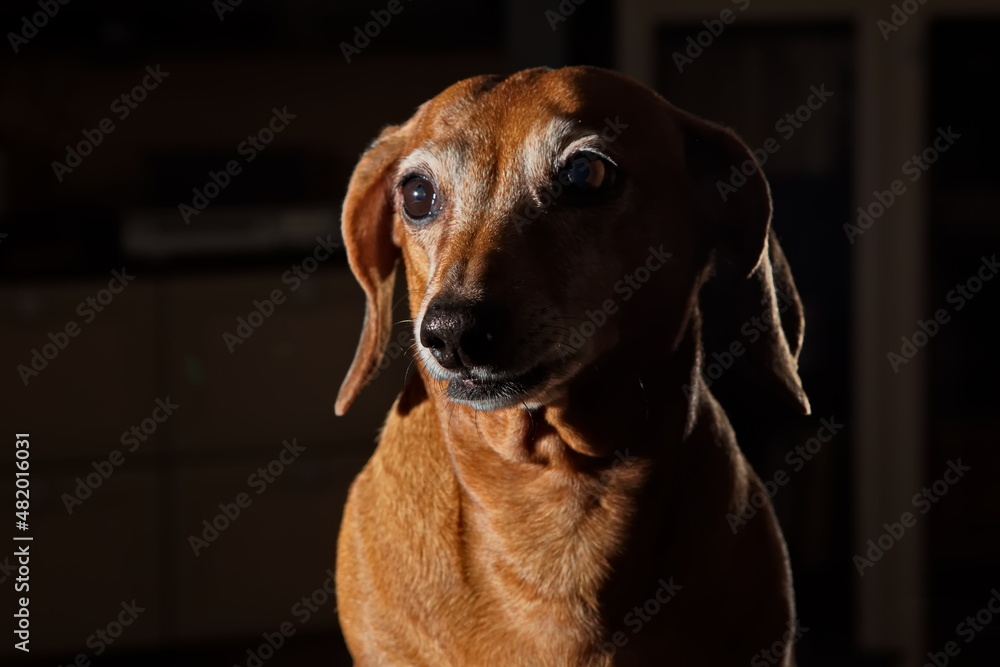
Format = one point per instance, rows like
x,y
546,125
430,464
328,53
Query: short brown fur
x,y
516,535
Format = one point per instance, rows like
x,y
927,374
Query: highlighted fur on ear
x,y
752,300
372,255
775,339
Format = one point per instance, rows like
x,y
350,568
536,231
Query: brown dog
x,y
553,487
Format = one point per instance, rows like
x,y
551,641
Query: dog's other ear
x,y
373,255
752,299
734,207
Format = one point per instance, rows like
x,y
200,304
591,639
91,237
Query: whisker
x,y
406,375
644,397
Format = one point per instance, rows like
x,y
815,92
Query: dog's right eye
x,y
420,200
587,172
589,176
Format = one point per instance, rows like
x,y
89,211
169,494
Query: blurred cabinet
x,y
274,553
281,380
162,339
963,360
85,565
82,391
790,86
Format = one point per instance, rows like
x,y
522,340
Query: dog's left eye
x,y
420,200
588,172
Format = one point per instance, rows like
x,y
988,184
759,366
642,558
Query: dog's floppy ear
x,y
373,255
752,299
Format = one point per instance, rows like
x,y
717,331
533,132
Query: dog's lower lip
x,y
492,393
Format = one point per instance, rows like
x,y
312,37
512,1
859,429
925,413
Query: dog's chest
x,y
489,554
538,552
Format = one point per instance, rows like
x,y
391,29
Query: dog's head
x,y
546,217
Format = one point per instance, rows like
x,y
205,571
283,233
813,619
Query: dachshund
x,y
552,486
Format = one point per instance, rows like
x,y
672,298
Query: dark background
x,y
162,336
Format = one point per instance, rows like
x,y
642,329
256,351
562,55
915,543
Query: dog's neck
x,y
533,481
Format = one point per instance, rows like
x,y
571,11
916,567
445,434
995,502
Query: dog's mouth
x,y
491,391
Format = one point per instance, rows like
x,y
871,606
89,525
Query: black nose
x,y
462,334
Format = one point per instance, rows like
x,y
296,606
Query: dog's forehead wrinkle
x,y
435,153
504,141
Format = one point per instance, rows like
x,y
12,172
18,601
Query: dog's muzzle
x,y
469,342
